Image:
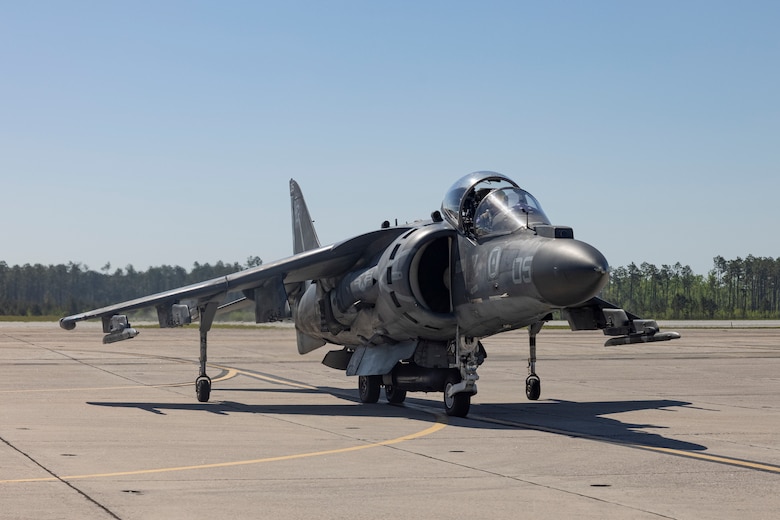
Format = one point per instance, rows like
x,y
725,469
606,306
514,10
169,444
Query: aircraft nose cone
x,y
568,272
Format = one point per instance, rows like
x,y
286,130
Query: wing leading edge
x,y
324,262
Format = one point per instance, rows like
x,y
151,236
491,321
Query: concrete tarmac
x,y
688,429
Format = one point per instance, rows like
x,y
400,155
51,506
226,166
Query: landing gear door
x,y
271,302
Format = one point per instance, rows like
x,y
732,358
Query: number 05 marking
x,y
521,269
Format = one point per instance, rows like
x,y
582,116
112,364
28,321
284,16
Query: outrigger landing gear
x,y
207,312
533,385
203,388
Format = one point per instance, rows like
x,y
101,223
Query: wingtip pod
x,y
67,324
128,333
642,338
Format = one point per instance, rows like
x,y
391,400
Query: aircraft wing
x,y
614,321
314,264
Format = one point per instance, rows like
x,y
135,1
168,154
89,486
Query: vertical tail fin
x,y
304,234
304,239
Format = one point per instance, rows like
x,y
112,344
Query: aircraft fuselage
x,y
432,281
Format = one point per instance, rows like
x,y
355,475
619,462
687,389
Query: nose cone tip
x,y
568,272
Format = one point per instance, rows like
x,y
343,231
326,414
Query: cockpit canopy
x,y
488,203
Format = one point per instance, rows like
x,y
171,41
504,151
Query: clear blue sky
x,y
152,133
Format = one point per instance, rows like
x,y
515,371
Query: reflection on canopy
x,y
488,203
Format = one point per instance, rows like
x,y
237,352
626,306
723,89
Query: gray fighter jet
x,y
409,304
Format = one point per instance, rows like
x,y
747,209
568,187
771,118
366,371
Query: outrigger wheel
x,y
203,388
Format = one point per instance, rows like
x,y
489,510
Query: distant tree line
x,y
734,289
54,290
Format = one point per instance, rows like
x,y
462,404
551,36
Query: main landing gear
x,y
369,388
462,384
449,367
449,380
457,380
456,404
394,395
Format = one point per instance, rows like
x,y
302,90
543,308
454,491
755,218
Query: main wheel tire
x,y
458,404
203,388
369,388
533,387
394,395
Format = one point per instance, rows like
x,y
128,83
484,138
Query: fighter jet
x,y
409,304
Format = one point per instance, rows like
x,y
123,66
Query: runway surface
x,y
688,429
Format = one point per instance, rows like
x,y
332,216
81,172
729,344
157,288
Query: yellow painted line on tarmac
x,y
747,464
440,424
270,379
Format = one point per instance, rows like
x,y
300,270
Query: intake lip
x,y
568,272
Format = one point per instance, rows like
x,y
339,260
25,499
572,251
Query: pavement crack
x,y
61,353
528,482
59,479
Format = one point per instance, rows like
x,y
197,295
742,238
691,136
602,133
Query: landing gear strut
x,y
533,385
207,312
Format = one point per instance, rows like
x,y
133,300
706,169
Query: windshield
x,y
507,210
462,198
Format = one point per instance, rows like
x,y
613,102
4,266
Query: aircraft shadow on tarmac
x,y
591,420
574,419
